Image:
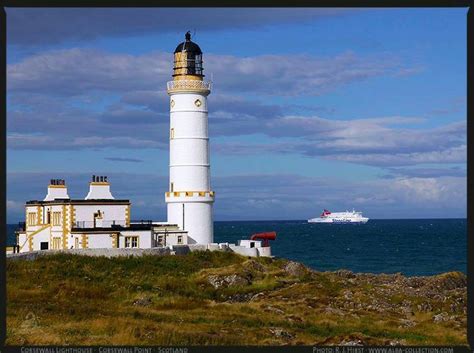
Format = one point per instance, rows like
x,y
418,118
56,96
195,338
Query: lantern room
x,y
188,61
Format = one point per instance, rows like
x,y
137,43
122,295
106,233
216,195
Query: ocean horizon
x,y
413,247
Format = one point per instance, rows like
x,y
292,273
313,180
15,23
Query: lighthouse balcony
x,y
189,86
190,196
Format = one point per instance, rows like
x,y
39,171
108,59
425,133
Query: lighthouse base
x,y
195,217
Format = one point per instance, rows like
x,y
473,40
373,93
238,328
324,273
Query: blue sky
x,y
310,108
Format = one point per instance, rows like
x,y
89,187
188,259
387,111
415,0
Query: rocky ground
x,y
223,298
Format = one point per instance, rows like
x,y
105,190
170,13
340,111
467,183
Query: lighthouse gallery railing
x,y
188,84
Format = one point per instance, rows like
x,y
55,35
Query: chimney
x,y
56,190
99,189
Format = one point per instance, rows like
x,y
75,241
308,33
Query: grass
x,y
71,299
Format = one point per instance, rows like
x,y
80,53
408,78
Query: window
x,y
31,218
180,239
44,245
160,239
56,243
171,187
131,242
76,243
172,133
56,218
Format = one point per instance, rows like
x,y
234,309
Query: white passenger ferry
x,y
339,217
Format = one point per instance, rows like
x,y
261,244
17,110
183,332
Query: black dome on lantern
x,y
188,46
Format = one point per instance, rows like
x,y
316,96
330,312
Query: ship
x,y
353,217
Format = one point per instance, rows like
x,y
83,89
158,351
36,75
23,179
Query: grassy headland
x,y
216,298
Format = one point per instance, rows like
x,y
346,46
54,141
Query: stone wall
x,y
112,252
32,255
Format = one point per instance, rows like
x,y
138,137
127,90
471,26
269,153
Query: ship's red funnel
x,y
265,237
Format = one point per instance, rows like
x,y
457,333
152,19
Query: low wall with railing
x,y
175,250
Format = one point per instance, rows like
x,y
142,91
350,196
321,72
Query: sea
x,y
413,247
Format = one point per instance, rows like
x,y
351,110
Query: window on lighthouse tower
x,y
194,61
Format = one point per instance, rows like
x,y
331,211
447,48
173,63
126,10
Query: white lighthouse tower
x,y
190,198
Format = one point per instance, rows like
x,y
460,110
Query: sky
x,y
310,108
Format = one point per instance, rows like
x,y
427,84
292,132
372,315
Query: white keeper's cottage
x,y
97,221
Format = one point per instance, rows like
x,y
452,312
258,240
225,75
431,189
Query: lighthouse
x,y
190,198
100,221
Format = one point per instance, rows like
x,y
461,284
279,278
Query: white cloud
x,y
363,141
24,141
75,71
39,119
442,191
454,155
271,196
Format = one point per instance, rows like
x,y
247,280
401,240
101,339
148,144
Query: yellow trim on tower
x,y
189,193
99,183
